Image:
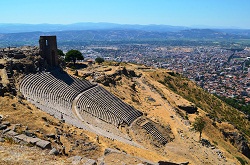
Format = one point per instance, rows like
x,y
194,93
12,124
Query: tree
x,y
73,55
99,60
60,52
198,125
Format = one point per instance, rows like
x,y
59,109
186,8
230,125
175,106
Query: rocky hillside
x,y
166,98
153,90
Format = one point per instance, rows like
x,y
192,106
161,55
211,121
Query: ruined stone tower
x,y
48,50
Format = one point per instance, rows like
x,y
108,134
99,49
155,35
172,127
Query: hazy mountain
x,y
28,34
16,28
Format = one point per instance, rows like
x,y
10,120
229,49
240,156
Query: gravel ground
x,y
24,155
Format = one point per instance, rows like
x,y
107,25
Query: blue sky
x,y
219,13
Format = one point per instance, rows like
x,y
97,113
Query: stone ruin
x,y
48,50
78,102
15,62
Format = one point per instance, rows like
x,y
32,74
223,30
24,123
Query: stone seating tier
x,y
45,88
75,83
55,91
100,97
150,128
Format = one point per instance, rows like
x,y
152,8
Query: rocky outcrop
x,y
188,108
111,79
106,80
239,141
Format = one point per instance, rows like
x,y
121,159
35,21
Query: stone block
x,y
6,123
75,159
12,133
53,136
2,127
44,144
53,151
6,130
21,137
110,150
32,140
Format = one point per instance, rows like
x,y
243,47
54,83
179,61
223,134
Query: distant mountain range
x,y
17,28
28,34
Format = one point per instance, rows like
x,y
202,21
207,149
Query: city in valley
x,y
221,71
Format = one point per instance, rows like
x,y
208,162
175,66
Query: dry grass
x,y
207,102
161,111
185,146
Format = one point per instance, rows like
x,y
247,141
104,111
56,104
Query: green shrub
x,y
242,161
